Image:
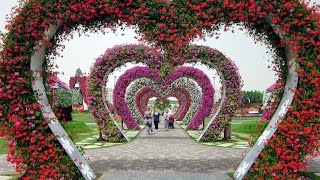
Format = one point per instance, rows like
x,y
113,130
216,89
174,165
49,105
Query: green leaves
x,y
76,97
66,98
165,70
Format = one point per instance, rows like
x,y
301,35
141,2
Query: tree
x,y
78,73
254,96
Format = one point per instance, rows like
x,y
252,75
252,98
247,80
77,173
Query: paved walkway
x,y
314,165
165,155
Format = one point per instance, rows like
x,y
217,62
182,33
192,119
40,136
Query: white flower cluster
x,y
131,91
190,85
195,93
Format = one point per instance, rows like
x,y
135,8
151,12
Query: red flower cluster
x,y
170,25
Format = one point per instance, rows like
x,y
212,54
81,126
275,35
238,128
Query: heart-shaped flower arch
x,y
211,57
184,100
137,86
181,94
113,58
138,90
145,72
287,26
194,92
144,95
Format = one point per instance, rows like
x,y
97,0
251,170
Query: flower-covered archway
x,y
214,59
144,72
192,88
104,65
181,94
132,92
137,96
290,28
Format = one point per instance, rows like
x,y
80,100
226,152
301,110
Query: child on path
x,y
171,121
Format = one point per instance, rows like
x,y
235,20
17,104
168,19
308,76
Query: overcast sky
x,y
81,52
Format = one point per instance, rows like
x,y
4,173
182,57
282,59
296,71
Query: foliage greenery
x,y
254,96
160,105
76,97
64,97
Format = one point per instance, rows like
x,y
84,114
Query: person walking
x,y
148,119
171,121
156,119
166,119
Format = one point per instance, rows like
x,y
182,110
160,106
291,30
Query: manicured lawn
x,y
83,117
81,127
79,130
245,125
3,146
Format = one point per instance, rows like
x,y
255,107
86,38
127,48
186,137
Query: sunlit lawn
x,y
246,126
3,146
81,127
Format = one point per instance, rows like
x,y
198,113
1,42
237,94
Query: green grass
x,y
230,174
312,175
3,146
14,176
83,117
245,127
78,129
242,125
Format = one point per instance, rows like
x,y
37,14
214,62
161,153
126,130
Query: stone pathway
x,y
6,168
156,175
165,155
315,165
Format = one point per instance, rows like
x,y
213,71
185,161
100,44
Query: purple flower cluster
x,y
144,72
105,64
206,87
119,55
119,92
231,81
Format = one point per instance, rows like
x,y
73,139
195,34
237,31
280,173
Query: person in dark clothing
x,y
171,121
156,119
